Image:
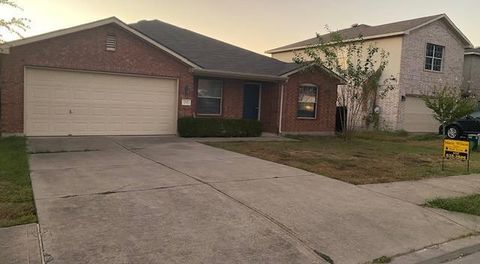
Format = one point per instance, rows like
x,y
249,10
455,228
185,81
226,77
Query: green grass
x,y
16,197
382,259
370,157
467,204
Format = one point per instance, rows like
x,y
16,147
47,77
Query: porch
x,y
238,99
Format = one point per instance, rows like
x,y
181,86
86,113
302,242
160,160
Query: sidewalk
x,y
418,192
463,250
20,245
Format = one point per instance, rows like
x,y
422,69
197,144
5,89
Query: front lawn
x,y
367,158
467,204
16,197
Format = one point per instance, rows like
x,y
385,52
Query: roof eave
x,y
329,72
472,53
467,42
394,34
5,47
237,75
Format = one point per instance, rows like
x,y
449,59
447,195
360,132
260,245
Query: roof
x,y
209,53
205,55
374,32
4,48
475,51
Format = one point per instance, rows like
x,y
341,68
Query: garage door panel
x,y
418,117
78,103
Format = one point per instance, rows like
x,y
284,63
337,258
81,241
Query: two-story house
x,y
424,53
471,72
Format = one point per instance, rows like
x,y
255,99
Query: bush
x,y
218,127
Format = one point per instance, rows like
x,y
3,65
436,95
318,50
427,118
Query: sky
x,y
257,25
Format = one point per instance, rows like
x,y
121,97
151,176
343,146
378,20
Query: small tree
x,y
449,104
13,25
360,66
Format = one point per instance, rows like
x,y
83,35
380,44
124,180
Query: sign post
x,y
456,149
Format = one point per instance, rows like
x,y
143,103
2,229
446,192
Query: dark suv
x,y
462,127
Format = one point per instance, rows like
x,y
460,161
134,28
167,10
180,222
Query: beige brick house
x,y
424,53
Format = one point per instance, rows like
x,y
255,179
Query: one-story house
x,y
110,78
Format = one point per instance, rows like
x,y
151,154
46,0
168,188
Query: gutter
x,y
237,75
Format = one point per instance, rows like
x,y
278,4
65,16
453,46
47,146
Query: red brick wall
x,y
326,103
232,102
233,98
85,50
270,107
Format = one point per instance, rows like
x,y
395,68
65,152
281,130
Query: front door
x,y
251,96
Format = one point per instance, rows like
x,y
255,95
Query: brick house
x,y
424,53
110,78
471,72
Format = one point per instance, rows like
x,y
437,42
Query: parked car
x,y
462,127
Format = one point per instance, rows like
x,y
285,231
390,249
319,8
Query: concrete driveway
x,y
170,200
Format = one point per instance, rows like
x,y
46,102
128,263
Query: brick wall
x,y
233,98
232,102
414,79
326,103
85,50
270,107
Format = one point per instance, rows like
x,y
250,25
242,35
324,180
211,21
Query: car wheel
x,y
453,132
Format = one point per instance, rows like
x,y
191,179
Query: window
x,y
209,95
434,57
307,101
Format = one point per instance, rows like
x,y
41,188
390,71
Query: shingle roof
x,y
365,31
209,53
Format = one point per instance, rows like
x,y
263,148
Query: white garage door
x,y
418,117
79,103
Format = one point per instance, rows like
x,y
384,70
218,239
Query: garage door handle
x,y
70,111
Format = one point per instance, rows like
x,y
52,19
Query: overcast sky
x,y
257,25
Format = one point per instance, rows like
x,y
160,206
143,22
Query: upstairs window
x,y
434,57
307,101
209,97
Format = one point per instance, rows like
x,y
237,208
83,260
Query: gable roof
x,y
373,32
206,56
4,48
209,53
475,51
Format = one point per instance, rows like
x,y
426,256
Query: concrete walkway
x,y
168,200
418,192
20,245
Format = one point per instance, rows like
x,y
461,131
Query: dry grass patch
x,y
367,158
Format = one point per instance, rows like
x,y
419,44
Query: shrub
x,y
218,127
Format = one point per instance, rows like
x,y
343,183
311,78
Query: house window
x,y
434,57
209,97
307,101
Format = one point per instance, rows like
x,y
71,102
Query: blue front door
x,y
251,95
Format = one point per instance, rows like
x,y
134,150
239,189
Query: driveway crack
x,y
125,191
260,213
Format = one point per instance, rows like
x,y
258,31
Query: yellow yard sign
x,y
456,149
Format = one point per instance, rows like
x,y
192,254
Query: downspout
x,y
281,108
